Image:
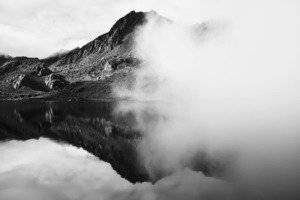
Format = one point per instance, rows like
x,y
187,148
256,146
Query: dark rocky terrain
x,y
4,59
87,72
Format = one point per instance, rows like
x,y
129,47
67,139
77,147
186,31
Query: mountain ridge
x,y
114,37
109,56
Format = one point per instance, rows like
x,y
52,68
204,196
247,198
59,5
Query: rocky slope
x,y
86,72
4,59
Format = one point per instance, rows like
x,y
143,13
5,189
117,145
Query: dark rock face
x,y
121,62
20,81
125,26
29,81
23,64
55,81
36,78
4,59
40,70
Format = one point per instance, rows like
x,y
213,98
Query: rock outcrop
x,y
55,81
4,59
29,81
20,81
40,79
41,70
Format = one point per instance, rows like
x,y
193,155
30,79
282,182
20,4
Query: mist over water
x,y
216,103
224,93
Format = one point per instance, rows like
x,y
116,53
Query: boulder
x,y
106,72
55,81
29,81
122,62
40,70
20,81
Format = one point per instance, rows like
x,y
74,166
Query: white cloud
x,y
42,27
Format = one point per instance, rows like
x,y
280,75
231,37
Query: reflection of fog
x,y
250,156
37,169
258,161
42,169
172,140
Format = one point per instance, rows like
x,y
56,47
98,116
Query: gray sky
x,y
42,27
39,28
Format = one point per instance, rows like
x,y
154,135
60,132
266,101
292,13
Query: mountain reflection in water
x,y
90,125
143,142
97,128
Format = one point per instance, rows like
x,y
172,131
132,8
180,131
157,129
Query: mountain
x,y
87,72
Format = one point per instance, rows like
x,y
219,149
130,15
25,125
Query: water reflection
x,y
102,129
256,153
178,153
90,125
43,169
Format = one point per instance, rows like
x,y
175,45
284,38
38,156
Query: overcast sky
x,y
39,28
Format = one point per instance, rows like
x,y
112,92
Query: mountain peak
x,y
108,41
90,69
125,26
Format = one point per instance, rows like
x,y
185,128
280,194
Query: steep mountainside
x,y
85,72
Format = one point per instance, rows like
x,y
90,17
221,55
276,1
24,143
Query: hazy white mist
x,y
227,87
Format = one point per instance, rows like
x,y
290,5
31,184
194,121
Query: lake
x,y
139,150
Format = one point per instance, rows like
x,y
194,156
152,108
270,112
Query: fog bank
x,y
225,91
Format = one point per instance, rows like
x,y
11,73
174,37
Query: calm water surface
x,y
130,150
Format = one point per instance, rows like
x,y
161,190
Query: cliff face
x,y
99,63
